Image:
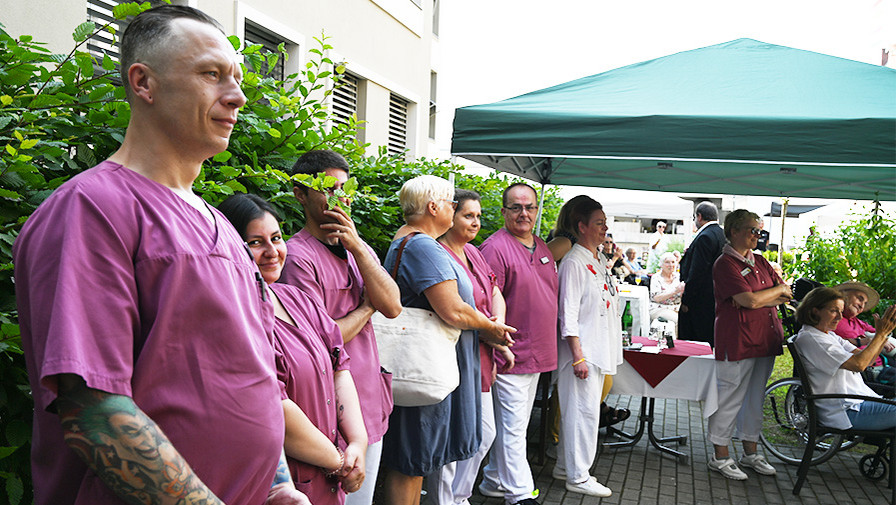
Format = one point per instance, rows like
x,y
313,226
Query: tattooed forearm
x,y
282,474
126,448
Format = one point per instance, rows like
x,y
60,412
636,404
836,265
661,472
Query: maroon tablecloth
x,y
656,367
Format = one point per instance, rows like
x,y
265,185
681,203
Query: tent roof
x,y
742,117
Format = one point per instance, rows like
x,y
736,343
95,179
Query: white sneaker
x,y
758,463
558,473
485,489
727,467
590,487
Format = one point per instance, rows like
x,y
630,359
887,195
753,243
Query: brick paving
x,y
642,475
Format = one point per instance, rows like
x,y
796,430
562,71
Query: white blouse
x,y
589,311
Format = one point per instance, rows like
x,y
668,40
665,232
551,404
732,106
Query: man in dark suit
x,y
697,313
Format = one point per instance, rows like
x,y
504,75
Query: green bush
x,y
62,114
861,250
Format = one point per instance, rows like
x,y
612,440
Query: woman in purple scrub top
x,y
325,436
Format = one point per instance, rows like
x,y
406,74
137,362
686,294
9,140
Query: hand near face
x,y
343,229
883,325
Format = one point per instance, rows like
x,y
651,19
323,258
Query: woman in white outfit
x,y
591,330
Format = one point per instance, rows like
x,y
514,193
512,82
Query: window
x,y
433,79
345,99
100,12
398,124
257,35
435,17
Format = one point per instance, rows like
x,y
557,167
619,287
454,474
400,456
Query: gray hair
x,y
667,255
416,194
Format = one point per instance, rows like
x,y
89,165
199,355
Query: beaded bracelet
x,y
341,463
574,363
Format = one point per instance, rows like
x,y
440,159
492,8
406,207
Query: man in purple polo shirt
x,y
147,340
527,276
329,261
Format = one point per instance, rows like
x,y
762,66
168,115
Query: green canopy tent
x,y
743,117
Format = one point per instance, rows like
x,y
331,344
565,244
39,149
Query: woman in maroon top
x,y
320,403
748,336
455,482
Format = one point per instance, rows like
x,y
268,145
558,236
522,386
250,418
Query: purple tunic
x,y
484,282
337,285
308,354
123,283
529,284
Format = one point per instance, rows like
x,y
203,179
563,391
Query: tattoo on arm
x,y
127,450
282,474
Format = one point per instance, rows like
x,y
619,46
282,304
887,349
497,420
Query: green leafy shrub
x,y
861,250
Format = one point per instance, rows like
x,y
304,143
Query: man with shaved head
x,y
146,332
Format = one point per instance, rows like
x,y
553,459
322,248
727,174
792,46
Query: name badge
x,y
745,271
544,260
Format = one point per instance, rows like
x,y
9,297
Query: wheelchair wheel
x,y
873,467
784,425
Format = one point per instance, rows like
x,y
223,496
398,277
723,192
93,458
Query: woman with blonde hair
x,y
421,440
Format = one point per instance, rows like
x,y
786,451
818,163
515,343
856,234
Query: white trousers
x,y
579,421
508,466
741,390
364,496
453,483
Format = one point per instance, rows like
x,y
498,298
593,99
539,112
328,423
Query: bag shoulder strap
x,y
404,242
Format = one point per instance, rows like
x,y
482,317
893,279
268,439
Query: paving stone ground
x,y
643,475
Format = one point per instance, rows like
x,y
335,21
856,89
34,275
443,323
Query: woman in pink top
x,y
320,403
456,479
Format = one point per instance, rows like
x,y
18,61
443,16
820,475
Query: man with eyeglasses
x,y
527,276
697,312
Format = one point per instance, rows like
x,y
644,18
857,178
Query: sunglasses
x,y
756,231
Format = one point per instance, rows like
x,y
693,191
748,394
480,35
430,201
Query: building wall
x,y
388,44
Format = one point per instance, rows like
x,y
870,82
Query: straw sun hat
x,y
873,297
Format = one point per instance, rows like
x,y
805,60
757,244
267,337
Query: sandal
x,y
610,416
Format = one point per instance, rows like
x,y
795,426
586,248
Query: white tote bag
x,y
418,348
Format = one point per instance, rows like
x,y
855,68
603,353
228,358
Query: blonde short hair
x,y
416,194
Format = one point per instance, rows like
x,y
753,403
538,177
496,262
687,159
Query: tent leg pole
x,y
781,248
540,212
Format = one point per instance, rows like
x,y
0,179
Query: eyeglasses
x,y
756,231
516,209
452,202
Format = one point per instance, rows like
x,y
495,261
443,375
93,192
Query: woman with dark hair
x,y
320,404
455,484
834,365
590,327
748,336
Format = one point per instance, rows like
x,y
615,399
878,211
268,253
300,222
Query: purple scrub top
x,y
484,282
308,354
530,286
337,285
123,283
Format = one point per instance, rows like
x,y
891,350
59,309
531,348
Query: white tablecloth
x,y
694,379
640,298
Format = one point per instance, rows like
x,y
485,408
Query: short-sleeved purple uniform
x,y
123,283
484,282
742,333
308,354
529,283
337,285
